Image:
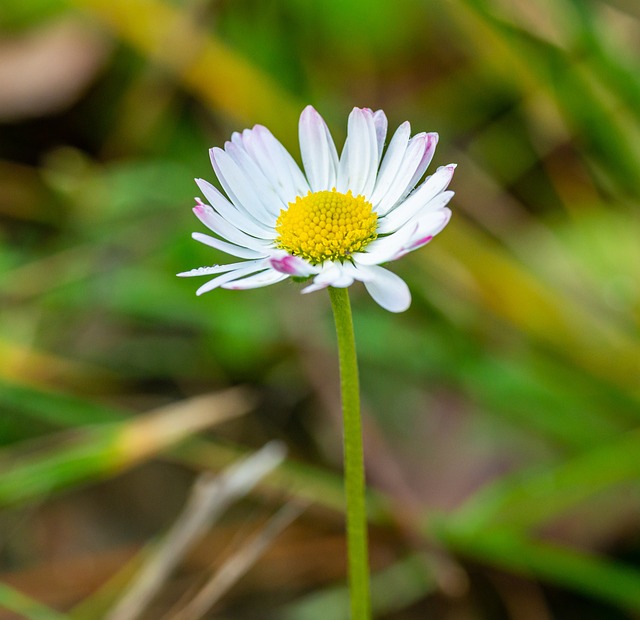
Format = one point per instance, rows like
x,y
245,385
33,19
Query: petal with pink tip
x,y
229,212
416,158
291,265
228,248
221,227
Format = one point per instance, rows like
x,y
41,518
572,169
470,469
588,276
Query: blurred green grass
x,y
504,405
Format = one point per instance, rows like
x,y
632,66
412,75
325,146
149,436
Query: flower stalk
x,y
354,478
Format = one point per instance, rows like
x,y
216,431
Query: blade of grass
x,y
101,451
57,408
563,414
209,69
524,501
238,564
307,482
590,574
15,601
622,74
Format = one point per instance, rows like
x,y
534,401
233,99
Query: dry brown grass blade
x,y
236,566
210,497
167,425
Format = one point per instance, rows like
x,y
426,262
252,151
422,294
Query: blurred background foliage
x,y
502,410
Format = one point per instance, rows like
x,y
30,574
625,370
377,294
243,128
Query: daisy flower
x,y
332,224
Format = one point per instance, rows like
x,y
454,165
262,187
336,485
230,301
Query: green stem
x,y
353,457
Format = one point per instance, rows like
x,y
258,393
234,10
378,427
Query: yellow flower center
x,y
326,225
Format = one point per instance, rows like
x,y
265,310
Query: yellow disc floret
x,y
326,226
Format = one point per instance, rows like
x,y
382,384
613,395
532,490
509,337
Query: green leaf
x,y
588,573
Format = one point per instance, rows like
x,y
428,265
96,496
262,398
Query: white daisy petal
x,y
209,271
418,154
272,167
387,289
314,286
412,235
258,280
350,270
340,274
383,249
429,212
262,187
381,125
332,274
242,221
369,167
430,149
236,138
427,227
291,265
414,210
343,280
359,169
318,150
342,176
438,181
221,227
431,223
238,187
245,270
276,163
228,248
391,162
425,195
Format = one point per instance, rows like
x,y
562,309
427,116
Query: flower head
x,y
332,225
